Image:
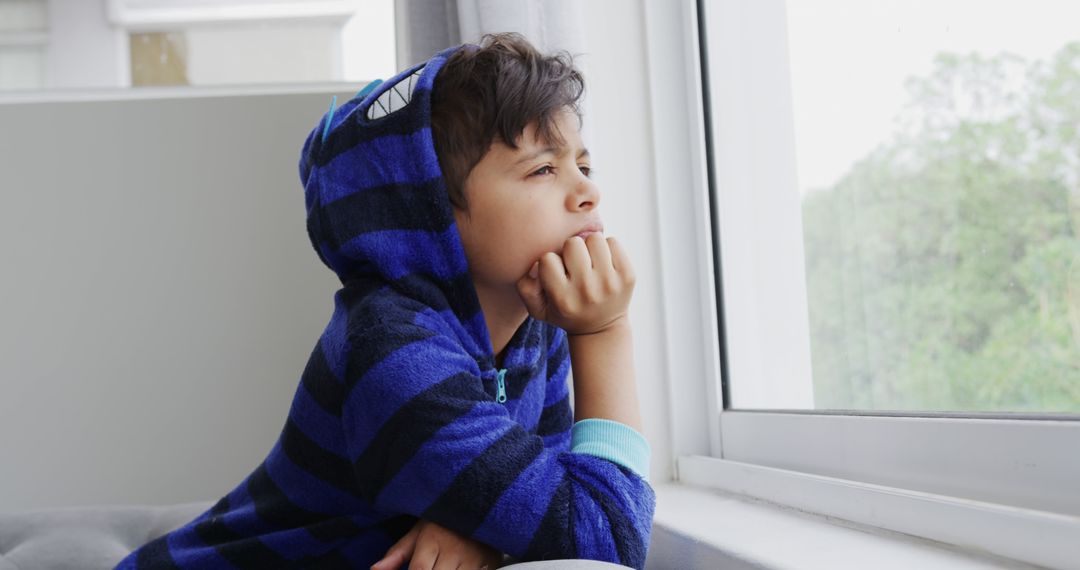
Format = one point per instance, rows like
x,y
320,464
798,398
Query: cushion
x,y
85,538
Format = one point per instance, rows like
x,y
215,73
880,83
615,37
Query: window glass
x,y
937,150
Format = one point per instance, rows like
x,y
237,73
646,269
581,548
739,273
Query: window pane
x,y
938,164
22,35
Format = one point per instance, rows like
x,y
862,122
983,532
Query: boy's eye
x,y
548,169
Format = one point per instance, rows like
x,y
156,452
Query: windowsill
x,y
703,528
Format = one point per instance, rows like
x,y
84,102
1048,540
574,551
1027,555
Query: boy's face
x,y
525,202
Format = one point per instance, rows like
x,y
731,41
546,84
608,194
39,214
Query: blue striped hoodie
x,y
401,413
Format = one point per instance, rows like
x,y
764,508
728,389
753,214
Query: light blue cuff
x,y
613,441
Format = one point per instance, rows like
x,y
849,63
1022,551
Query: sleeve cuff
x,y
614,441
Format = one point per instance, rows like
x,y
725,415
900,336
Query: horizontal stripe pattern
x,y
382,392
302,463
556,419
476,489
403,206
320,385
394,252
352,166
415,488
396,440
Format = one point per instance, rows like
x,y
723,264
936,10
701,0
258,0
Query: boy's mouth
x,y
593,228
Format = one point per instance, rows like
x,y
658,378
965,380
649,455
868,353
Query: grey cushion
x,y
566,565
93,538
85,538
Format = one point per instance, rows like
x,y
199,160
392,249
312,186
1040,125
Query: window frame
x,y
152,15
980,482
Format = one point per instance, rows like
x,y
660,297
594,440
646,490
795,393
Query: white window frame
x,y
153,15
1008,486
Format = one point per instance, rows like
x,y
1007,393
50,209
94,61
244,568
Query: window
x,y
23,35
842,376
924,211
47,44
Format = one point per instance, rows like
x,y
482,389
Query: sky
x,y
849,59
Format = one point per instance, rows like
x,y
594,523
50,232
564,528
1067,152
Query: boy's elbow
x,y
630,548
630,529
609,531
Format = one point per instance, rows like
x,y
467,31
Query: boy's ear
x,y
463,212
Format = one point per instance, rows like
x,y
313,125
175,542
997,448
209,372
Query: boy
x,y
432,423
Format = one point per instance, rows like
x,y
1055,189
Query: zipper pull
x,y
502,387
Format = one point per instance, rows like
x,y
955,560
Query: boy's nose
x,y
586,195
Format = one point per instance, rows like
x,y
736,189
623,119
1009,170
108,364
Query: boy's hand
x,y
585,291
433,547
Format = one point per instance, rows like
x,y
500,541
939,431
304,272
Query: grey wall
x,y
159,296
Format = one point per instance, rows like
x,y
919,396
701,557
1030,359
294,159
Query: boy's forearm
x,y
604,384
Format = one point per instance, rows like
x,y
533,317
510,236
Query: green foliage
x,y
943,270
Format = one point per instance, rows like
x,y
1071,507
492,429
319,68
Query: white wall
x,y
159,294
368,42
160,297
85,50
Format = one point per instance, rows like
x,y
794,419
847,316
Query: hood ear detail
x,y
329,117
395,98
368,88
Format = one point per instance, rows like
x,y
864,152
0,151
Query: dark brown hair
x,y
493,91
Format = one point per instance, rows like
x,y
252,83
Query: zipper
x,y
502,387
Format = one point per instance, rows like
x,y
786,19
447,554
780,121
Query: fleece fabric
x,y
400,413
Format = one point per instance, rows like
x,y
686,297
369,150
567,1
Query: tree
x,y
943,270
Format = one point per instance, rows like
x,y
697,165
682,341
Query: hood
x,y
377,207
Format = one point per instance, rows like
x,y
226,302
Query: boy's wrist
x,y
604,384
613,341
615,327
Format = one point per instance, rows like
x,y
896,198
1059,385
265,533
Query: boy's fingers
x,y
399,552
576,257
599,252
619,260
530,282
391,561
531,292
425,556
552,271
444,562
